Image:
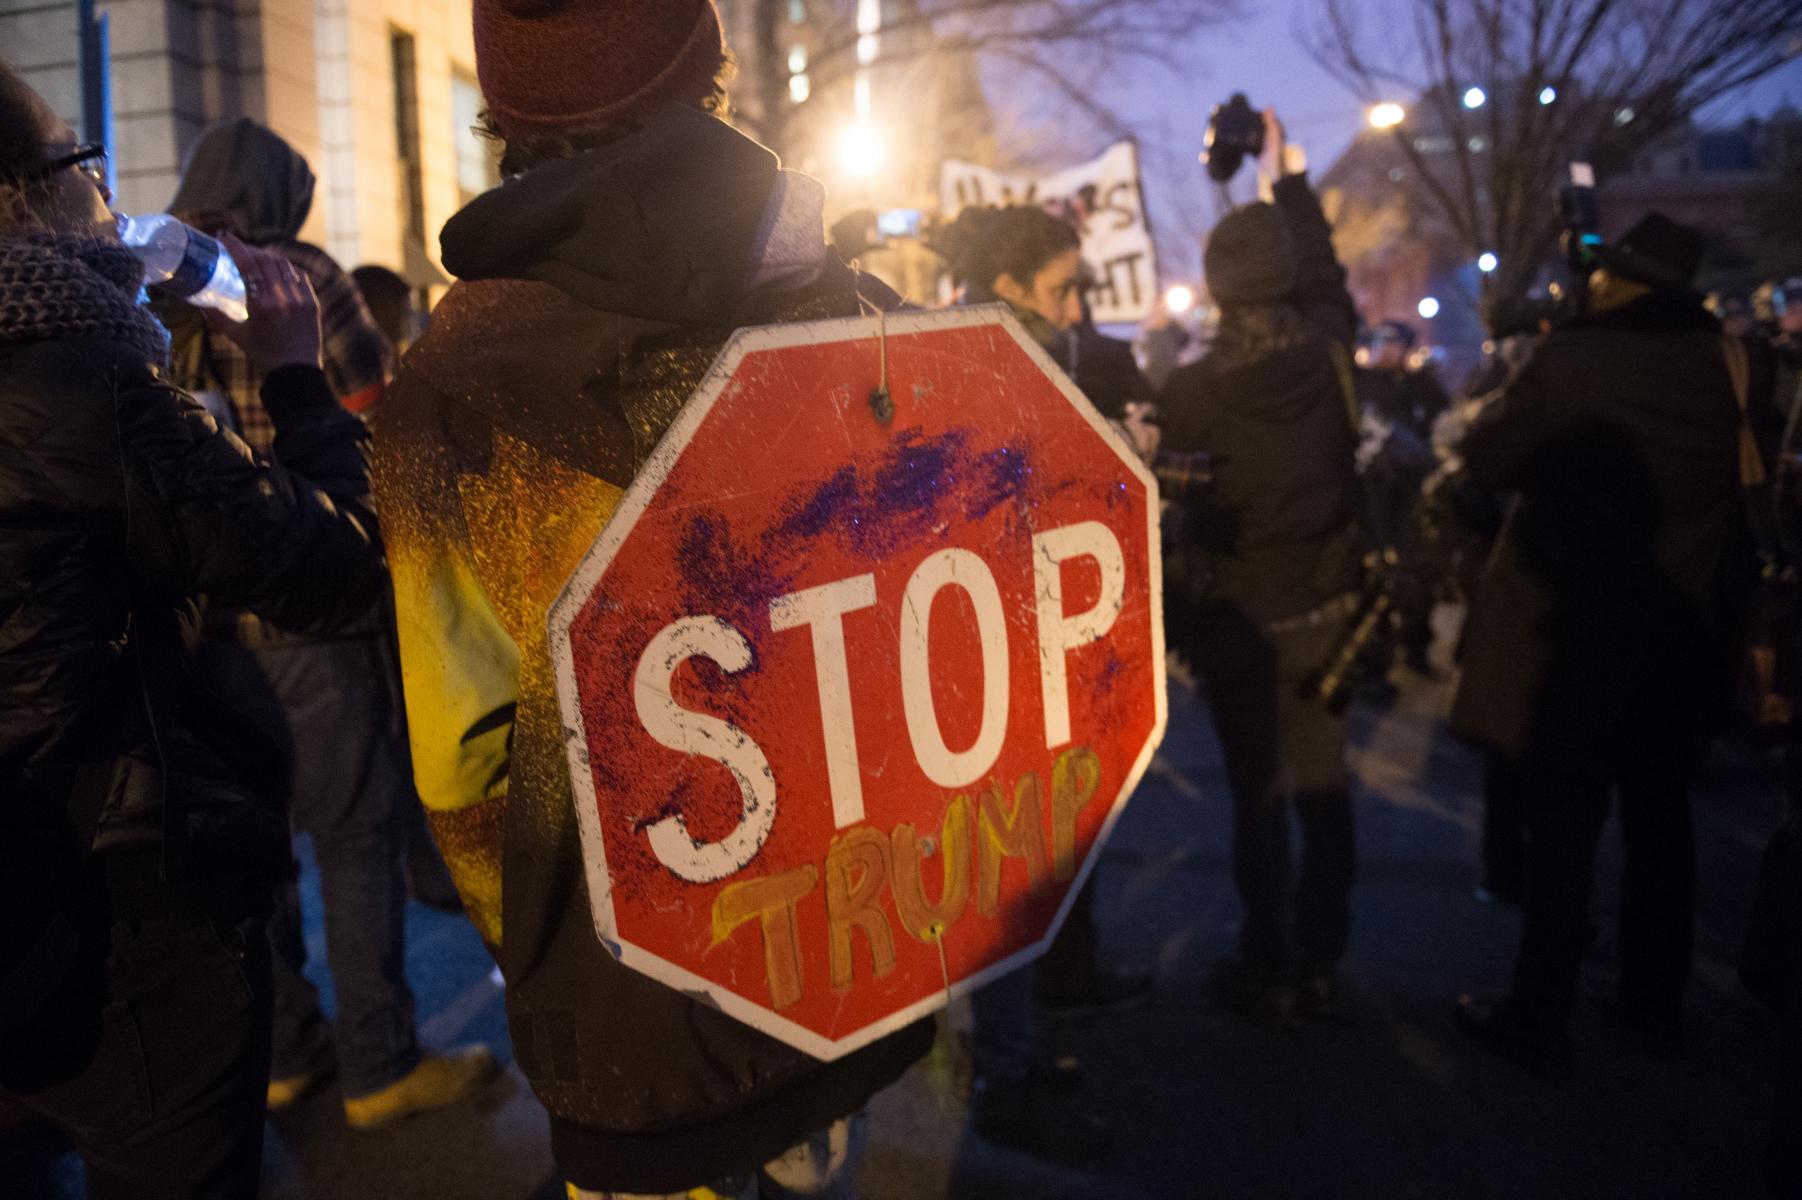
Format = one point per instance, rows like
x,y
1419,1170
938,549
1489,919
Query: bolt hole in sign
x,y
851,703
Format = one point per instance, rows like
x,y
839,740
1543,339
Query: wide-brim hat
x,y
1658,252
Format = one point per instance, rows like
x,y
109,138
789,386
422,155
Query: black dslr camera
x,y
1235,130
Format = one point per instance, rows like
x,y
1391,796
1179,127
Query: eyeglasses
x,y
89,158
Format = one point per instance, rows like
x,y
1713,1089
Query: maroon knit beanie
x,y
546,63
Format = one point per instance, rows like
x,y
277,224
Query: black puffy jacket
x,y
121,505
1278,525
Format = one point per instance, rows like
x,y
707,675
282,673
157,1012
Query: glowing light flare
x,y
860,151
1475,97
1487,263
1547,94
1428,308
1179,299
1387,115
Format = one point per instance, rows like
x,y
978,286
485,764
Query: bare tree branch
x,y
1622,72
1031,36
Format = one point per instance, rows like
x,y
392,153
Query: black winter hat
x,y
1250,258
1658,252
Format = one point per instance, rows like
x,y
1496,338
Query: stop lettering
x,y
852,697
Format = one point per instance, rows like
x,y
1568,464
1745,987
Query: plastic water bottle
x,y
185,262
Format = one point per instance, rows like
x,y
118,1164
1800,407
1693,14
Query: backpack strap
x,y
1752,473
1348,381
1754,477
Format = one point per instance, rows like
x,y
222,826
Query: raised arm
x,y
1320,291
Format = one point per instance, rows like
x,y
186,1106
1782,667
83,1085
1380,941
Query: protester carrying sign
x,y
636,231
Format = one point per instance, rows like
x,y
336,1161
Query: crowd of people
x,y
203,635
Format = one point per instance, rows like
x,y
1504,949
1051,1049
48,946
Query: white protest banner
x,y
1103,198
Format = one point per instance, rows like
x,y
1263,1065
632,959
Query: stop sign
x,y
855,688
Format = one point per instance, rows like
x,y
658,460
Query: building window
x,y
477,170
404,61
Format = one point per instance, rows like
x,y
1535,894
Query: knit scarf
x,y
63,287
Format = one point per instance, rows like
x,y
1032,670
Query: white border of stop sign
x,y
600,556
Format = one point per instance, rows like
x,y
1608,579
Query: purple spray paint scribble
x,y
916,485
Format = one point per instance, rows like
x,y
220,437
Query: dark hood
x,y
665,224
242,170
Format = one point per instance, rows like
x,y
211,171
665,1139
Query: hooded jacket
x,y
244,179
1277,525
244,173
593,294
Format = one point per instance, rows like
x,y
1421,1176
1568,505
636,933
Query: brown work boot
x,y
438,1080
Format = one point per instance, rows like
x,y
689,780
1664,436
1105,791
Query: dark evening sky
x,y
1261,57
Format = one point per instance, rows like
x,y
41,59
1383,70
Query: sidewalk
x,y
1388,1102
1391,1101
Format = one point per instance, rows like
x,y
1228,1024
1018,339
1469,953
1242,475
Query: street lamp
x,y
1428,308
859,150
1487,263
1179,299
1475,98
1387,115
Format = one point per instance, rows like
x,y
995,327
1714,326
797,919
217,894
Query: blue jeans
x,y
333,706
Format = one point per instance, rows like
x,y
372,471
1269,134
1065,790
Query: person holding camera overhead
x,y
1277,539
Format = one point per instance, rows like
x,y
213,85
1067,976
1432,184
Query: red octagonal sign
x,y
852,698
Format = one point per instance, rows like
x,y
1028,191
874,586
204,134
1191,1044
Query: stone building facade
x,y
379,95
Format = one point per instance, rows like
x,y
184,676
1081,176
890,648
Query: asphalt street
x,y
1387,1101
